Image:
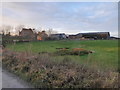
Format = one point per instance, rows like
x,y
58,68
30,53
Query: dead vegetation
x,y
43,72
74,51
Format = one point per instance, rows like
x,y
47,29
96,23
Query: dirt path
x,y
11,81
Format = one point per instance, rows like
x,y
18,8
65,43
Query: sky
x,y
63,17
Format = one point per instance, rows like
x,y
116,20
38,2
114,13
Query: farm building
x,y
114,38
72,36
58,36
42,35
95,35
77,37
27,34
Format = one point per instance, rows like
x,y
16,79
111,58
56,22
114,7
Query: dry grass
x,y
41,71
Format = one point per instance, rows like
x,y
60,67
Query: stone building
x,y
27,34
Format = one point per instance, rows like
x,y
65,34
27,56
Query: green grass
x,y
106,51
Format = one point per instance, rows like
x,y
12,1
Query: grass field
x,y
105,55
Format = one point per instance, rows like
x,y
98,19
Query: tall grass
x,y
42,71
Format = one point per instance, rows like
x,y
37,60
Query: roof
x,y
58,33
72,35
25,29
94,33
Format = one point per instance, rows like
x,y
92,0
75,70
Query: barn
x,y
76,37
95,35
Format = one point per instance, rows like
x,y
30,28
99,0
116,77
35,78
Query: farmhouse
x,y
58,36
27,34
42,35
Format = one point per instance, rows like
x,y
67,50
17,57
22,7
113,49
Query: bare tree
x,y
6,29
39,29
1,29
19,28
51,31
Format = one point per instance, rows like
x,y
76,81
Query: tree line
x,y
8,29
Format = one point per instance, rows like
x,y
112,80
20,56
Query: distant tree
x,y
51,31
1,30
6,29
19,28
38,29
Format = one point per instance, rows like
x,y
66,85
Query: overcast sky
x,y
64,17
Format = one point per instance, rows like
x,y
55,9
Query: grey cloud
x,y
100,17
